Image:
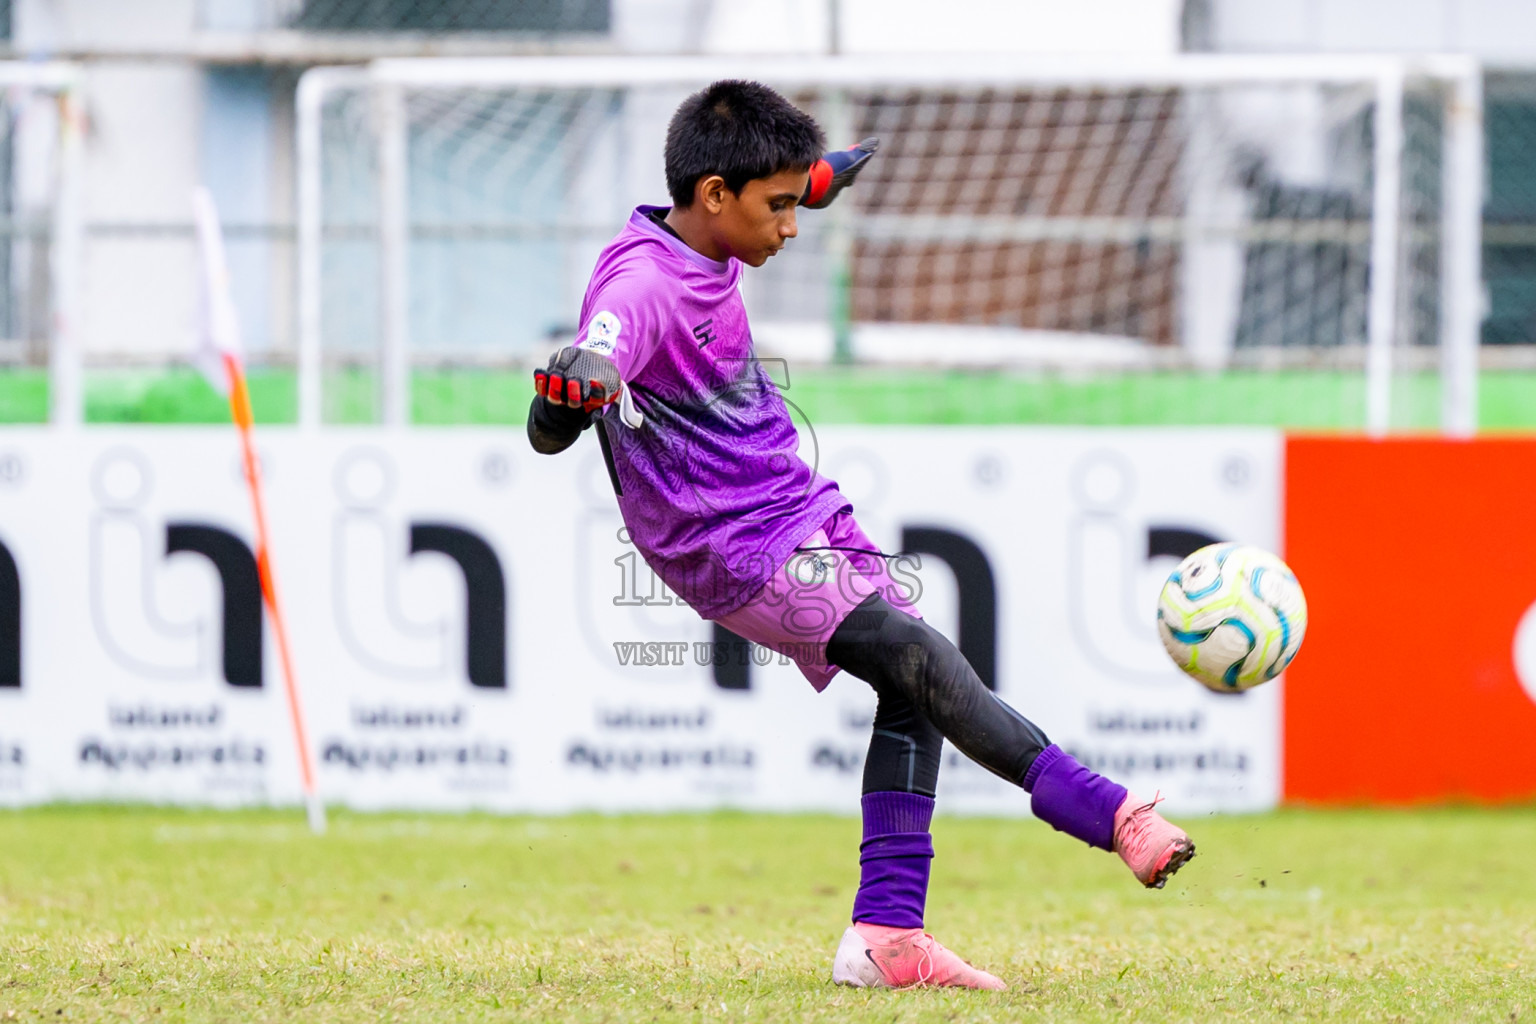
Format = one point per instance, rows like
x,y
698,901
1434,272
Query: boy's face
x,y
754,225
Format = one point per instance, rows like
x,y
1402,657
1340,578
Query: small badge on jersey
x,y
602,333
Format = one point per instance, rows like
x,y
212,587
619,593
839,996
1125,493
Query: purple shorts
x,y
806,599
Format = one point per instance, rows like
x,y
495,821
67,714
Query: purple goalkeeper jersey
x,y
710,481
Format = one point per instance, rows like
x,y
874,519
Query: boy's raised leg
x,y
1085,804
898,653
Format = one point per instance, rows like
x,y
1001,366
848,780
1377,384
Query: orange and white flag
x,y
219,354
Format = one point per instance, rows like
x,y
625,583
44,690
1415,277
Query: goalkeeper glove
x,y
835,171
576,384
578,380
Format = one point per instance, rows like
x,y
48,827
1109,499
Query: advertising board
x,y
471,627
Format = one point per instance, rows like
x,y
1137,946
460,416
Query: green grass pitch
x,y
164,915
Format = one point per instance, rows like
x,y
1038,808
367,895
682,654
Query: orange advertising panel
x,y
1417,681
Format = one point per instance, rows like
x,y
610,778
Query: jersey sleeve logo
x,y
602,333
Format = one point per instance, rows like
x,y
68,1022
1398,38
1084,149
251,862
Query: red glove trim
x,y
821,180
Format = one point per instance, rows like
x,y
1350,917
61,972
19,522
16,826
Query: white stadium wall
x,y
488,668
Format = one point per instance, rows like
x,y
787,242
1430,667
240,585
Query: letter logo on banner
x,y
485,615
241,583
124,572
977,638
10,620
621,601
1525,651
368,558
977,632
733,672
1112,591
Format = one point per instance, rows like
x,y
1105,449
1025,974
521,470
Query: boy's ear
x,y
709,191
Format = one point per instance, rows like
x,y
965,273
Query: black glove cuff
x,y
554,428
560,419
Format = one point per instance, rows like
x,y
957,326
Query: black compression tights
x,y
927,693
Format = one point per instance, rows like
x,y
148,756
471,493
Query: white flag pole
x,y
219,356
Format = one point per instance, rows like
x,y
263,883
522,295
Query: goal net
x,y
1184,240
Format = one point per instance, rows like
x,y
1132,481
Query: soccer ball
x,y
1232,616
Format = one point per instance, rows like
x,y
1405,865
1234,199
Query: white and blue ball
x,y
1232,616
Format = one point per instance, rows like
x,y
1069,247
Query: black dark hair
x,y
740,131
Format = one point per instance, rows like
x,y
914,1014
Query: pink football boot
x,y
1151,846
874,956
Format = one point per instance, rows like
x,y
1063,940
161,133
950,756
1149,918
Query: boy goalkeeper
x,y
703,458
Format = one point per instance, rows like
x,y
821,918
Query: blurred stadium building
x,y
1055,228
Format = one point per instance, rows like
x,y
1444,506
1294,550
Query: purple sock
x,y
1072,799
894,860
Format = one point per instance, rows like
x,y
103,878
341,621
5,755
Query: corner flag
x,y
219,357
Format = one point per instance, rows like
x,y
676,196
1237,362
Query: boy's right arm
x,y
577,383
835,171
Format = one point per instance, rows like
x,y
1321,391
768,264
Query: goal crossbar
x,y
926,71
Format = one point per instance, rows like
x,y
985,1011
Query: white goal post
x,y
1196,211
41,227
